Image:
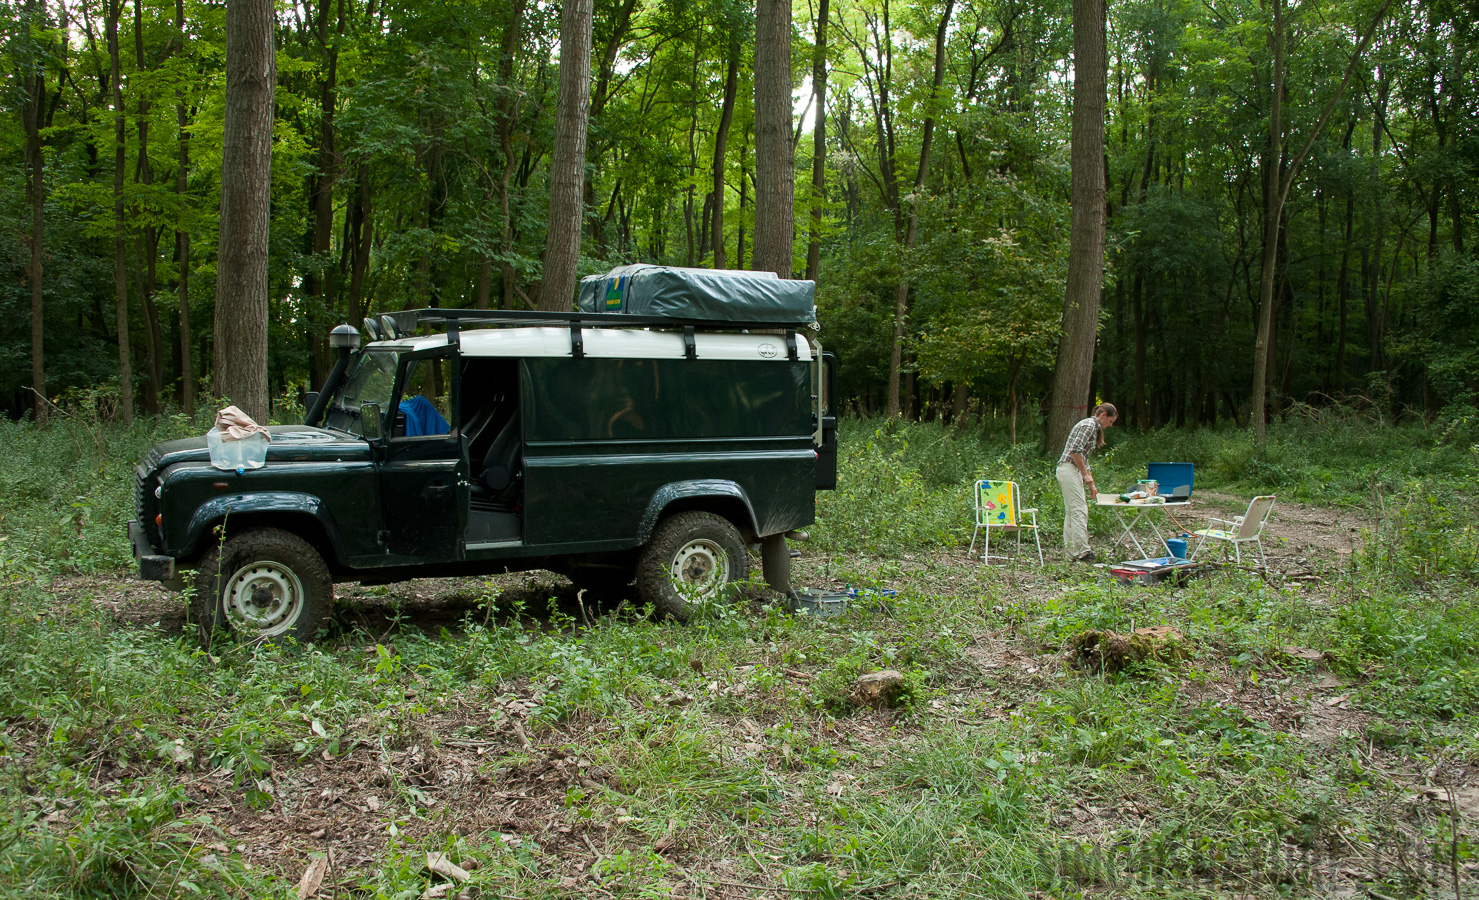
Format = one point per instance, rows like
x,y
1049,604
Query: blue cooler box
x,y
1174,479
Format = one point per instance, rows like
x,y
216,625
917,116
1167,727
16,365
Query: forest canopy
x,y
413,140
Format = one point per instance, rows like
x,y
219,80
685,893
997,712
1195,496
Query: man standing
x,y
1076,480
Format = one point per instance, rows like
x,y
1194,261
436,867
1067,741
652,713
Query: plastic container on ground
x,y
248,453
823,604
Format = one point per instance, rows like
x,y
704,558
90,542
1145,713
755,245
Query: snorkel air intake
x,y
345,340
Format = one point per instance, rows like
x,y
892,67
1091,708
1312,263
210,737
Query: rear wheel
x,y
264,584
692,561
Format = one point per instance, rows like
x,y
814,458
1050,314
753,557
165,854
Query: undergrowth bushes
x,y
908,485
66,488
721,727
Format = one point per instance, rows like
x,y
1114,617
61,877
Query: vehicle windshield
x,y
370,381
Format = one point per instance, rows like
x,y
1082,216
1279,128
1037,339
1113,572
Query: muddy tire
x,y
693,559
263,584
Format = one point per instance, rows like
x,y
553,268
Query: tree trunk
x,y
1075,364
721,145
1343,289
744,180
120,267
182,237
617,38
1371,275
359,227
146,240
567,162
319,280
33,116
507,114
819,146
774,165
1137,306
246,191
911,231
1272,163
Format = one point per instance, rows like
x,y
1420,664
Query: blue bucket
x,y
1176,547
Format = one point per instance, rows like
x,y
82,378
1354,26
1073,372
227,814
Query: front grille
x,y
146,478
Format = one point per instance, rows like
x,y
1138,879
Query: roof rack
x,y
408,321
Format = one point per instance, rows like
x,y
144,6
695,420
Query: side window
x,y
424,408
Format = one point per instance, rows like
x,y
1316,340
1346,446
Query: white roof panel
x,y
620,343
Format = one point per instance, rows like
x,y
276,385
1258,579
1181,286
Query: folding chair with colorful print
x,y
999,505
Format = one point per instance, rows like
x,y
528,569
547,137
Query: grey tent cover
x,y
717,295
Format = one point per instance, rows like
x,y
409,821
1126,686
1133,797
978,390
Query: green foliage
x,y
427,128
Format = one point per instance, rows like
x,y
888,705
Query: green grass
x,y
725,753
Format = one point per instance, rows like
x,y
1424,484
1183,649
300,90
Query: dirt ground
x,y
339,805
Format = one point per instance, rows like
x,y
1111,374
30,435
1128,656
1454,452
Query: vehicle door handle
x,y
438,490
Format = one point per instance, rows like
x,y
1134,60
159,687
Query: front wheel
x,y
263,584
692,560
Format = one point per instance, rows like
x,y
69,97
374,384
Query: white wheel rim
x,y
264,598
700,569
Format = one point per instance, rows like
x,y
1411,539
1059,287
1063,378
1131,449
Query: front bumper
x,y
152,566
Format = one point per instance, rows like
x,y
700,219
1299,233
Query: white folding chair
x,y
1240,530
999,505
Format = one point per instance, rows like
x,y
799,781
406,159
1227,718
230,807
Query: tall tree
x,y
146,237
120,258
246,194
182,235
721,145
319,281
818,145
33,120
911,229
567,163
1279,171
1075,366
774,157
507,114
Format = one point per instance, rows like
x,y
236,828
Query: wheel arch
x,y
303,515
717,496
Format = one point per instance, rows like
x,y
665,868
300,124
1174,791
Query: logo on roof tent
x,y
768,350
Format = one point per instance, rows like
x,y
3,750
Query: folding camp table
x,y
1132,514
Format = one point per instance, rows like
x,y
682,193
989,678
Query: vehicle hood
x,y
289,443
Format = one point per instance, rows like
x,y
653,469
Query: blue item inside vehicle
x,y
422,418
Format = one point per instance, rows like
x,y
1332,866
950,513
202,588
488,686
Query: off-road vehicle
x,y
651,438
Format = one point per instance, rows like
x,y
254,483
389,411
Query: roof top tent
x,y
711,295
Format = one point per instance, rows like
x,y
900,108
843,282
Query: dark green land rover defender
x,y
680,418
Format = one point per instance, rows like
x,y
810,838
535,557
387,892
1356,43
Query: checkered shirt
x,y
1081,440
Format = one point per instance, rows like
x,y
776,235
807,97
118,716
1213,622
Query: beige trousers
x,y
1075,510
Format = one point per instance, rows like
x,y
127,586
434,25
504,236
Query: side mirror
x,y
369,421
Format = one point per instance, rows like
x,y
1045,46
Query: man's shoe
x,y
1086,558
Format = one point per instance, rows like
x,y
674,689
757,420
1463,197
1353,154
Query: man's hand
x,y
1093,491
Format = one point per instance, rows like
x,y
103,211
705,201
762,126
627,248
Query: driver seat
x,y
502,476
